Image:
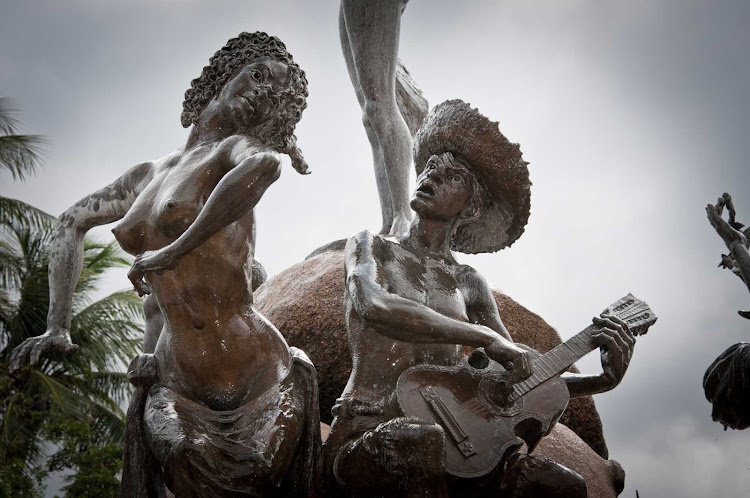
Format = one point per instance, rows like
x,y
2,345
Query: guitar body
x,y
470,404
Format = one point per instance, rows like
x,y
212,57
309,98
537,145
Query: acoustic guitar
x,y
485,416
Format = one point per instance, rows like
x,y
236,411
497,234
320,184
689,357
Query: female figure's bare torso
x,y
214,348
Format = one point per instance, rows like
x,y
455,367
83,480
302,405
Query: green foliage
x,y
18,480
83,388
19,154
96,465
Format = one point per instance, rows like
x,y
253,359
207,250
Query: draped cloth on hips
x,y
268,447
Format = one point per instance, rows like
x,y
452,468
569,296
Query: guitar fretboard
x,y
556,361
635,312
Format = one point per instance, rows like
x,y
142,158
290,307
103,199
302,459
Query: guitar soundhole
x,y
495,393
479,359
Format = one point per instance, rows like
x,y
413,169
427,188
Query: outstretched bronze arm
x,y
736,241
616,343
66,260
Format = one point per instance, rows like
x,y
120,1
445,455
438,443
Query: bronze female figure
x,y
224,406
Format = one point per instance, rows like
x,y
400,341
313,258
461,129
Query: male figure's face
x,y
444,189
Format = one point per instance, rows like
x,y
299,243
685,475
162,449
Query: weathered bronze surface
x,y
483,413
391,103
222,406
726,382
735,238
408,303
304,302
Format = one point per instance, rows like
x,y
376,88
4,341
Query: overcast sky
x,y
633,114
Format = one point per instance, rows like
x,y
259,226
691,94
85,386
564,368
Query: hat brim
x,y
453,126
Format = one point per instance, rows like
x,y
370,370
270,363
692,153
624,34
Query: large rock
x,y
305,302
604,478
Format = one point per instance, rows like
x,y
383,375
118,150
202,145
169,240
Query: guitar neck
x,y
633,311
557,360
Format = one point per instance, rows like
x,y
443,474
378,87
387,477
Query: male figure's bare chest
x,y
426,280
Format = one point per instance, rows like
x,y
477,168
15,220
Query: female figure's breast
x,y
170,203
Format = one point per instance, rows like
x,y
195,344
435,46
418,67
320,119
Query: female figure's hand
x,y
150,261
29,351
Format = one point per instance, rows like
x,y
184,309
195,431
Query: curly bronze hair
x,y
278,132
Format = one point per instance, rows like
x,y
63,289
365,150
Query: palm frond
x,y
109,424
28,316
21,154
108,330
18,435
114,385
62,398
9,122
102,393
19,214
107,388
97,259
11,267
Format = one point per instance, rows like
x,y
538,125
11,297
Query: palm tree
x,y
88,386
19,154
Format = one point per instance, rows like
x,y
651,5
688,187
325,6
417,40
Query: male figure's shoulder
x,y
475,287
365,246
468,275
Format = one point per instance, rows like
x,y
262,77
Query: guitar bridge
x,y
448,422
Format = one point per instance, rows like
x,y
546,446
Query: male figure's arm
x,y
614,337
405,320
616,343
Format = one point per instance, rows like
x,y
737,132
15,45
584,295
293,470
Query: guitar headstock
x,y
635,312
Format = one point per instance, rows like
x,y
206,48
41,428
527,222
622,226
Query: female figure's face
x,y
244,100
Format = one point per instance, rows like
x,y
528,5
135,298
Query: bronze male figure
x,y
408,302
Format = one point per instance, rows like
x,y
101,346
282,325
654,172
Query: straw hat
x,y
455,127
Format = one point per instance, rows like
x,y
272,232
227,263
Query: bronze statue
x,y
369,39
735,238
223,406
409,303
726,385
727,379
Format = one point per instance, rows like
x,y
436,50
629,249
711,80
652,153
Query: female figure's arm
x,y
234,196
66,260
